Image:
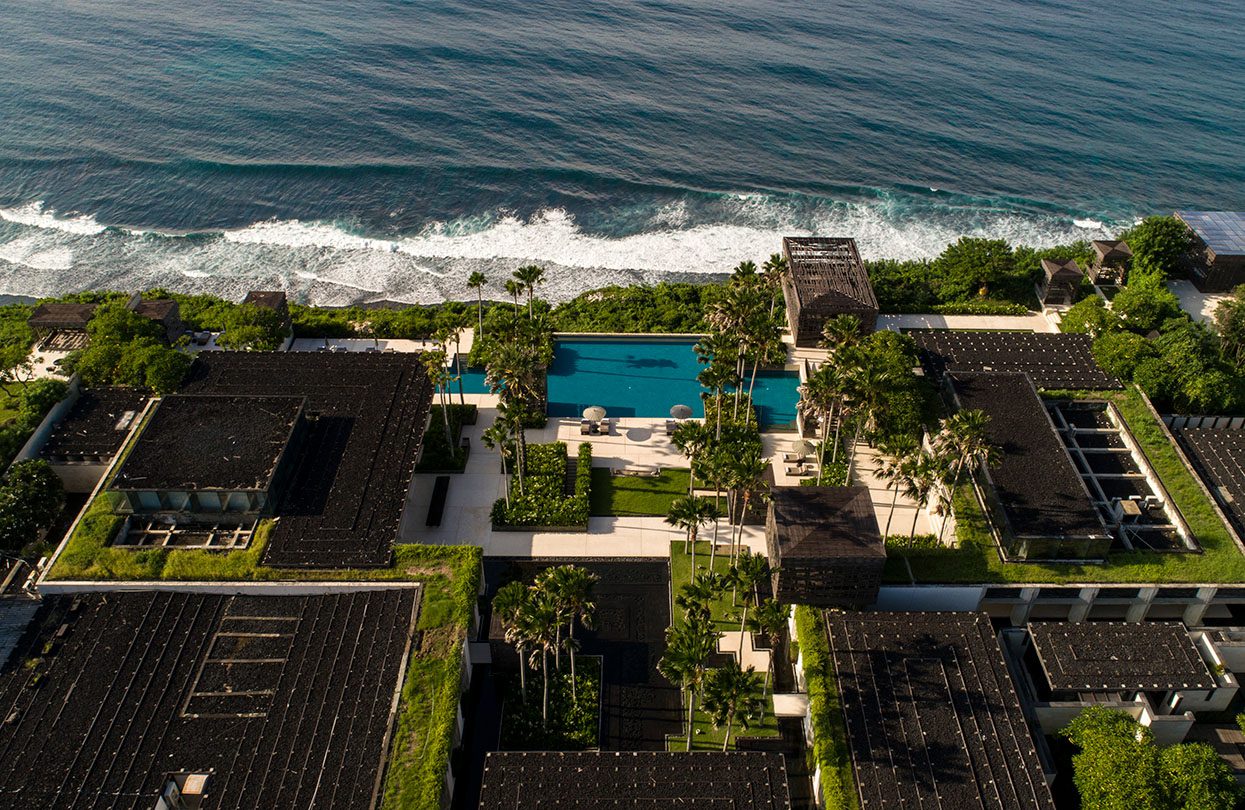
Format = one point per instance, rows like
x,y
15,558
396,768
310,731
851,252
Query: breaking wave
x,y
44,252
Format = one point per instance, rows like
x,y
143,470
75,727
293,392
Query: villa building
x,y
1062,282
825,278
1219,252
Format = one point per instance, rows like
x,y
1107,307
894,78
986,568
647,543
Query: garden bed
x,y
574,725
544,504
438,456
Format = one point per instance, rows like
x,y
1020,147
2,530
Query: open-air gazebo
x,y
825,278
61,325
825,547
1061,281
1111,260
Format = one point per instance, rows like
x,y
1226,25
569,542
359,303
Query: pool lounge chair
x,y
585,427
604,426
792,458
671,426
797,470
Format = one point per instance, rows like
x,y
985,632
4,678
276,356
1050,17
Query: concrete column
x,y
1194,613
1137,610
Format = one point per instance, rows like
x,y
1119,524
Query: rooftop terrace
x,y
1053,360
353,468
1102,656
933,719
287,700
96,425
206,442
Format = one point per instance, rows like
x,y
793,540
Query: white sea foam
x,y
330,264
36,216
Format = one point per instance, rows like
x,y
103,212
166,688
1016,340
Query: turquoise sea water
x,y
386,149
646,378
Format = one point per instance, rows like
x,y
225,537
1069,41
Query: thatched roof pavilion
x,y
825,278
1062,278
1111,260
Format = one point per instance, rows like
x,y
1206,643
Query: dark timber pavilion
x,y
825,278
1219,261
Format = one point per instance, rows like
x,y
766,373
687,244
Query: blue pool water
x,y
473,381
646,377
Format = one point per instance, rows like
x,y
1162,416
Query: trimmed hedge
x,y
830,751
544,502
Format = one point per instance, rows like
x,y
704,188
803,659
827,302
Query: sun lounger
x,y
792,458
797,470
585,428
604,426
671,425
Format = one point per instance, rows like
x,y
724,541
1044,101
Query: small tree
x,y
510,604
1160,246
974,267
252,328
476,281
770,619
31,498
1144,307
733,696
688,647
1230,324
690,513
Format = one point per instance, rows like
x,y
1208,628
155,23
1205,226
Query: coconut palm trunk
x,y
691,712
544,702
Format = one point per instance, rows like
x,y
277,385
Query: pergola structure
x,y
1111,260
61,325
825,278
1061,281
825,547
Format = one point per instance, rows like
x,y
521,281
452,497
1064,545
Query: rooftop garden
x,y
830,750
976,559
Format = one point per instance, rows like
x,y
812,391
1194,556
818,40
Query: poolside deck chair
x,y
792,458
585,427
671,426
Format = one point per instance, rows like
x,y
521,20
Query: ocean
x,y
356,150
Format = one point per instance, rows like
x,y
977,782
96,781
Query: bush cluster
x,y
32,402
31,498
543,501
437,455
829,734
574,725
127,349
661,307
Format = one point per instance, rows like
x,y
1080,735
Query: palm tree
x,y
732,695
476,281
514,289
819,396
747,479
542,624
716,377
688,647
898,456
691,438
498,436
749,572
529,275
694,597
510,603
918,482
840,332
964,441
868,387
769,619
774,270
571,588
434,362
745,273
690,513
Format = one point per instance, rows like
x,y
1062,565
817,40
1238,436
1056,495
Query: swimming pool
x,y
647,376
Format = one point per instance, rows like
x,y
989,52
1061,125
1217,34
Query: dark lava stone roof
x,y
825,523
97,424
1106,656
1040,488
287,698
634,780
344,500
1052,359
54,315
1063,270
156,309
271,299
210,443
1112,249
821,266
933,719
1218,455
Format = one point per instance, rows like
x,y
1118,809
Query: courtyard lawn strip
x,y
725,617
830,750
977,560
635,495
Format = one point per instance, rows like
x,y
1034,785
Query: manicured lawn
x,y
977,560
631,495
726,620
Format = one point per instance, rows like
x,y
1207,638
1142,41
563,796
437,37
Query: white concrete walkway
x,y
1036,322
1200,306
868,462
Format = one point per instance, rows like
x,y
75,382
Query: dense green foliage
x,y
437,454
830,749
661,307
24,409
126,349
1119,767
31,498
574,721
252,328
16,336
1230,324
542,500
1161,247
976,560
1181,364
408,323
